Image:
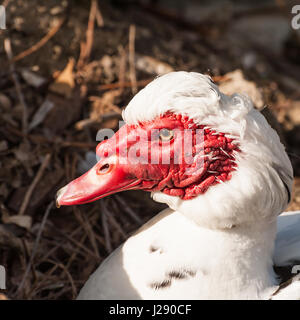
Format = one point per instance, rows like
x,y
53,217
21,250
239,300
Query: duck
x,y
226,179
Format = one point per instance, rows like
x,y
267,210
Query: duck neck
x,y
241,261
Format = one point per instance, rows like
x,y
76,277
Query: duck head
x,y
212,157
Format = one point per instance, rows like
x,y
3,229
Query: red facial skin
x,y
149,163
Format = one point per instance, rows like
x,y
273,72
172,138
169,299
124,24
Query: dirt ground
x,y
68,68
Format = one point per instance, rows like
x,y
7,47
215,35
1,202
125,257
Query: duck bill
x,y
100,181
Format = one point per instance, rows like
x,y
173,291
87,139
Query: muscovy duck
x,y
223,172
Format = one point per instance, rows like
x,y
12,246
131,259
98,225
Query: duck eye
x,y
166,135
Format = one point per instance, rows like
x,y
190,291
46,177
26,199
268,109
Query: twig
x,y
99,17
220,78
37,178
100,239
127,209
36,286
127,84
64,245
67,166
41,42
90,29
85,123
105,227
8,50
132,74
61,243
65,270
88,229
118,227
78,244
73,166
86,48
122,68
56,295
75,253
36,244
26,250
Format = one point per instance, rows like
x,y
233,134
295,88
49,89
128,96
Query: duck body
x,y
188,262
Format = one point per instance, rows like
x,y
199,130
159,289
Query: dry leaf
x,y
293,113
65,83
41,114
32,78
8,239
152,65
3,145
22,221
64,112
236,83
5,102
88,162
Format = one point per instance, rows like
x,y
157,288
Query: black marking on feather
x,y
282,286
181,274
177,275
160,285
172,275
286,278
154,249
286,284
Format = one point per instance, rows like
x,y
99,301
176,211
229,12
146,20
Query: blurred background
x,y
68,68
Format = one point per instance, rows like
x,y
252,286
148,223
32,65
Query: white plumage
x,y
220,244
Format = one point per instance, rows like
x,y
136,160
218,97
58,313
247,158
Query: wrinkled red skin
x,y
209,161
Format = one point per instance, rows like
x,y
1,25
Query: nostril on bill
x,y
104,168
